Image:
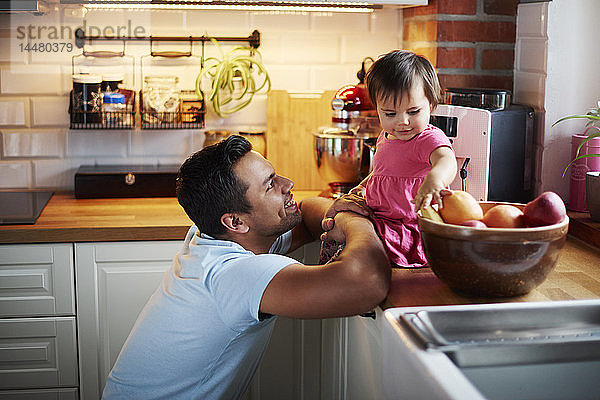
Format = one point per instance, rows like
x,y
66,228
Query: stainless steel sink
x,y
548,350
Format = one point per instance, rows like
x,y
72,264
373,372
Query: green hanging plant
x,y
232,81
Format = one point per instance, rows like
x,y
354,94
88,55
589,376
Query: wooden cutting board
x,y
292,118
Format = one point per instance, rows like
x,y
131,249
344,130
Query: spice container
x,y
111,81
86,101
191,107
113,110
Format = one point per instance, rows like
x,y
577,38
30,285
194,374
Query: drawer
x,y
36,280
38,353
40,394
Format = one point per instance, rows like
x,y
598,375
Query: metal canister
x,y
111,81
86,98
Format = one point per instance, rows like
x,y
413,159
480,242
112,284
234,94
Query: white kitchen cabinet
x,y
363,362
114,281
300,362
38,342
40,394
42,338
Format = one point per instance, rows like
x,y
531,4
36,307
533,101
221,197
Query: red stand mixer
x,y
344,150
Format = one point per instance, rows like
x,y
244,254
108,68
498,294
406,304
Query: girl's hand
x,y
429,192
353,201
433,188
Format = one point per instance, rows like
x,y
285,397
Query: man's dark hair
x,y
392,76
207,186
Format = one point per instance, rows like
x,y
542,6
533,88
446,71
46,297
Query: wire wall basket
x,y
91,115
185,112
160,103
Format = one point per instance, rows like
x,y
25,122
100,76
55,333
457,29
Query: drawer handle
x,y
129,178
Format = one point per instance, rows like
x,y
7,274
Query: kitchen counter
x,y
576,276
66,219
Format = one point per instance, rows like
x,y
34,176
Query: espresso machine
x,y
344,150
493,142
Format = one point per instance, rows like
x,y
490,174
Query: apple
x,y
546,209
473,223
503,216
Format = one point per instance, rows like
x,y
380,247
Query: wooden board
x,y
292,118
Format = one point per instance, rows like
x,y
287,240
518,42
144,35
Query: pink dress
x,y
399,168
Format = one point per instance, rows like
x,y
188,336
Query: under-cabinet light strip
x,y
356,7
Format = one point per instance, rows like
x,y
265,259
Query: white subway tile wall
x,y
55,173
302,51
14,111
35,79
532,55
15,174
84,143
530,70
160,143
21,144
49,110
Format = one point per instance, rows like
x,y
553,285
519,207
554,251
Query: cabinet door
x,y
40,394
363,362
38,353
114,282
292,366
36,280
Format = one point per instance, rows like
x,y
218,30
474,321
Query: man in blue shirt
x,y
203,332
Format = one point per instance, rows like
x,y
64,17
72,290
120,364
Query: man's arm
x,y
355,282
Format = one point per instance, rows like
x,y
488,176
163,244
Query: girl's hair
x,y
394,73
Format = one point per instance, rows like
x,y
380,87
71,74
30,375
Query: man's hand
x,y
344,221
348,202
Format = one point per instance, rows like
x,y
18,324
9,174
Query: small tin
x,y
111,81
191,106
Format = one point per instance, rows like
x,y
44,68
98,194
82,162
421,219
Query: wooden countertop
x,y
66,219
576,276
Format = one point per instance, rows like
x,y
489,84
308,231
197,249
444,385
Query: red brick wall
x,y
470,42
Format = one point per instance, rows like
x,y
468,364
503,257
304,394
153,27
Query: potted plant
x,y
585,165
231,81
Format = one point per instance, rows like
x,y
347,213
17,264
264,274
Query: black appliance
x,y
22,207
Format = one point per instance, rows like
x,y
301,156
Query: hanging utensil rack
x,y
253,39
193,118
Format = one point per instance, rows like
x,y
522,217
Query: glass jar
x,y
113,110
161,98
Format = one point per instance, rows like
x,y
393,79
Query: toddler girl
x,y
414,161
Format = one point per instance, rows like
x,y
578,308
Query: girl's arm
x,y
353,201
442,174
359,189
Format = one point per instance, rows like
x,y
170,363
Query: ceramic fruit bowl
x,y
492,262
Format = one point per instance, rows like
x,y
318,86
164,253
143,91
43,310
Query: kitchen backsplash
x,y
310,51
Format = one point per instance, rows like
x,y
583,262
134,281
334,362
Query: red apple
x,y
546,209
473,223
